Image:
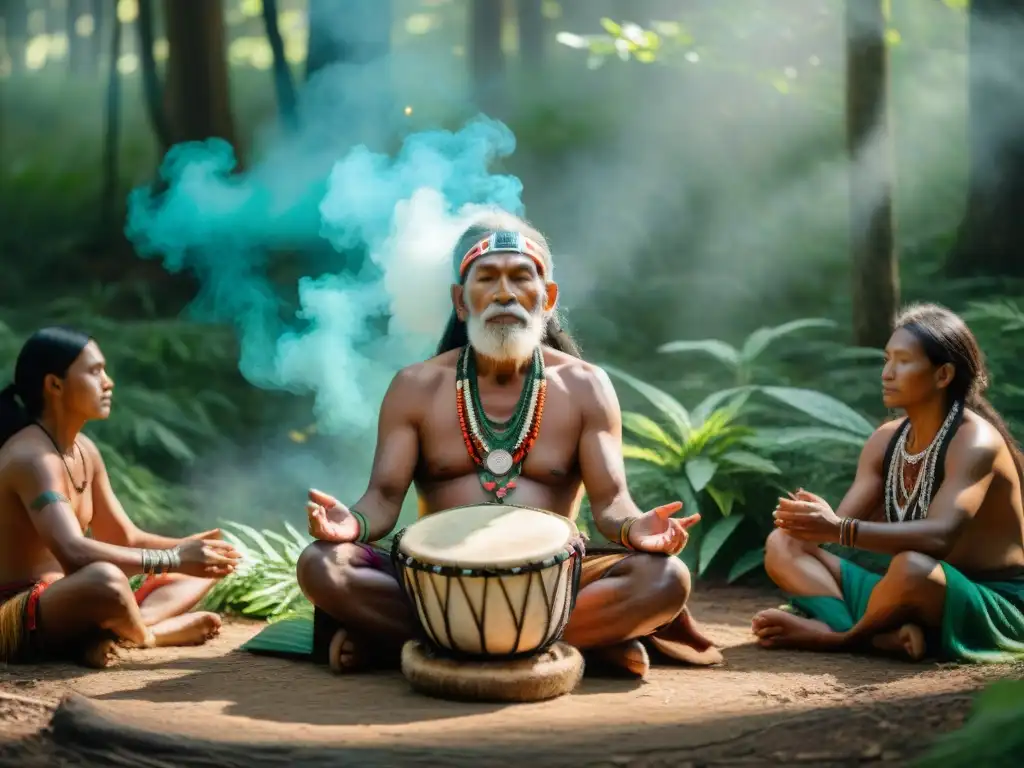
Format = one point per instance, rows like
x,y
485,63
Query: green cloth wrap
x,y
982,621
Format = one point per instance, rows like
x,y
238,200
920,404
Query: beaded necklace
x,y
499,448
901,503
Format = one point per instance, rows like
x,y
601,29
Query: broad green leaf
x,y
1000,695
724,353
611,27
745,564
715,538
171,443
699,472
723,498
637,453
822,407
267,591
751,461
691,506
734,398
642,426
809,438
269,552
762,338
300,539
668,406
572,40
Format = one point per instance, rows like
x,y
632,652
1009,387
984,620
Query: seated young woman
x,y
938,491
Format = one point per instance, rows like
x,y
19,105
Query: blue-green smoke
x,y
391,222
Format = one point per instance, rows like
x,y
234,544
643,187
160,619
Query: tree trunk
x,y
990,240
284,87
197,95
532,43
112,136
152,91
875,267
351,38
486,57
347,31
15,13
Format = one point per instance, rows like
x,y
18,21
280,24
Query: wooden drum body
x,y
490,581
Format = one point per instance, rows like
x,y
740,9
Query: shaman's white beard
x,y
506,343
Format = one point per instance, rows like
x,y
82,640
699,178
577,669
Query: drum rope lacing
x,y
442,639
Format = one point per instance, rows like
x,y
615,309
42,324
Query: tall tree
x,y
152,90
532,43
349,32
875,267
348,68
112,134
284,87
486,57
197,94
990,239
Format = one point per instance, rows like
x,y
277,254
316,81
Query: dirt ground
x,y
225,708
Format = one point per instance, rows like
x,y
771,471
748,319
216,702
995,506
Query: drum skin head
x,y
547,675
487,536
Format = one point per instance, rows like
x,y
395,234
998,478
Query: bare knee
x,y
323,566
912,571
666,577
105,586
780,550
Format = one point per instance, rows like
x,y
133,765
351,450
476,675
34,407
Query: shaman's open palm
x,y
658,531
329,519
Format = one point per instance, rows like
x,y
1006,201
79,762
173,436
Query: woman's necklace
x,y
899,501
85,470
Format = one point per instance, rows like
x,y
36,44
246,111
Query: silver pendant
x,y
498,462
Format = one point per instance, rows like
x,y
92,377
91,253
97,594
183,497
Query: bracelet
x,y
848,531
157,562
364,529
624,533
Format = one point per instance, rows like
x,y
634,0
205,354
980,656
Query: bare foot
x,y
101,653
684,640
187,629
908,642
775,628
629,657
345,655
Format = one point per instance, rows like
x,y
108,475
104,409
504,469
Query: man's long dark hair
x,y
455,334
945,338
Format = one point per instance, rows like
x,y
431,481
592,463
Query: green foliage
x,y
998,322
264,586
173,398
721,457
743,362
628,41
992,736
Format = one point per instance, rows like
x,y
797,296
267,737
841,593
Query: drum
x,y
490,581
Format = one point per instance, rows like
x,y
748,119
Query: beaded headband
x,y
504,242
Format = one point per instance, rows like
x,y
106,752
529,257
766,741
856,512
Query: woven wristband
x,y
364,529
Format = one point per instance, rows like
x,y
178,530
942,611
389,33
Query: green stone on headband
x,y
503,241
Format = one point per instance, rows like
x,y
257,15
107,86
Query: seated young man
x,y
64,594
507,381
940,492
